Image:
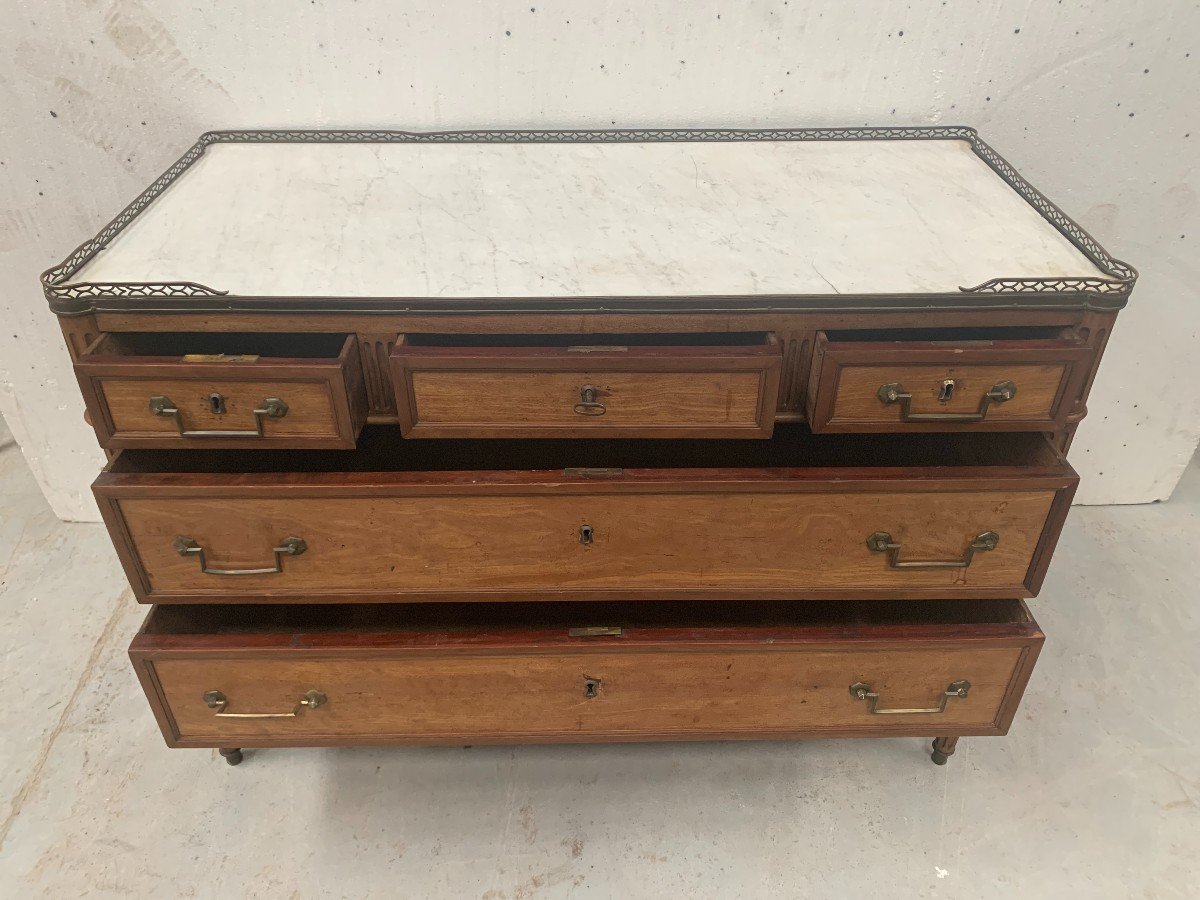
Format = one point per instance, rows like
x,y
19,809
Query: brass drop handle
x,y
290,546
271,408
218,701
864,692
881,542
587,405
893,392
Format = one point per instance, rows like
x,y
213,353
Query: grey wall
x,y
1094,102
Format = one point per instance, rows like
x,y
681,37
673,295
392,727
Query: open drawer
x,y
594,385
800,516
945,380
223,390
396,674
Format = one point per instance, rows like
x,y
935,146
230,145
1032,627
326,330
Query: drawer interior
x,y
380,449
960,336
583,343
180,344
553,621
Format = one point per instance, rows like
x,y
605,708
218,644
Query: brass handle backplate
x,y
218,701
893,392
864,692
290,546
587,405
271,408
881,542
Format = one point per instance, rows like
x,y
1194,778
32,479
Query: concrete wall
x,y
1094,102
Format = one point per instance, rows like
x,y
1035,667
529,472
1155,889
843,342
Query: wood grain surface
x,y
857,401
480,404
730,682
326,403
796,331
707,542
720,390
847,375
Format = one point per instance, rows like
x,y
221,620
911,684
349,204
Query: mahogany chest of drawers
x,y
659,434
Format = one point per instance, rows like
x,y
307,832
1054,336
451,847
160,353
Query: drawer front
x,y
919,682
796,538
928,386
251,401
596,391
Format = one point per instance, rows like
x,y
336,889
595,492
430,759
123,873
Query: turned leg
x,y
943,749
233,755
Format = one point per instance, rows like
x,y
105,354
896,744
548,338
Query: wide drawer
x,y
799,516
224,390
939,381
292,676
628,386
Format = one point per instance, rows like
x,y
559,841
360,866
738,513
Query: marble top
x,y
513,220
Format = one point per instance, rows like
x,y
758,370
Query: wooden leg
x,y
943,749
233,755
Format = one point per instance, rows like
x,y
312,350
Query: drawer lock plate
x,y
594,631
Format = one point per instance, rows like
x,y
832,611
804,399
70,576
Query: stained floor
x,y
1094,793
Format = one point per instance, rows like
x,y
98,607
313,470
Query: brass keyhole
x,y
585,534
946,391
216,404
591,688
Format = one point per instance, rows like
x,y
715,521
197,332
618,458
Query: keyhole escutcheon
x,y
216,404
591,688
586,534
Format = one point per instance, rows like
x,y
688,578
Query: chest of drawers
x,y
582,436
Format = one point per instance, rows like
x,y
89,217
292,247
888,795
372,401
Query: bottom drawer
x,y
261,676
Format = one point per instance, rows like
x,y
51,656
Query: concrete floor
x,y
1094,793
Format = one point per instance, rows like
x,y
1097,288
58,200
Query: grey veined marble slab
x,y
544,220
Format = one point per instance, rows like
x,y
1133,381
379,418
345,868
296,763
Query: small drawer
x,y
799,517
399,674
302,391
617,386
863,382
